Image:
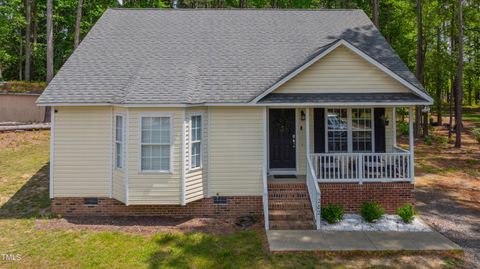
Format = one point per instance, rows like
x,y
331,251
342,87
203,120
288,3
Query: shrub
x,y
403,128
333,213
440,139
476,134
407,213
371,211
428,140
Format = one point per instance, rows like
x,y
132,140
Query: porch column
x,y
410,134
394,122
307,129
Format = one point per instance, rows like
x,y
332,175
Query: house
x,y
223,113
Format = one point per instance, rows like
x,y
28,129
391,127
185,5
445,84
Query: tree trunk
x,y
20,55
419,72
438,82
459,91
376,13
452,73
49,41
28,15
78,24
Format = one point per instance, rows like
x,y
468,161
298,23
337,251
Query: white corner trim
x,y
127,154
110,154
209,188
183,165
52,148
358,52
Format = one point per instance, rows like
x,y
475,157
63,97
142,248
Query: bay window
x,y
195,141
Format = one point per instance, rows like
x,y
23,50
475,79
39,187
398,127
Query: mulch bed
x,y
142,225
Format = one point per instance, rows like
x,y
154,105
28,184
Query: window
x,y
155,143
195,141
118,141
362,130
337,130
349,130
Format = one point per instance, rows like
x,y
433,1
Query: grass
x,y
24,211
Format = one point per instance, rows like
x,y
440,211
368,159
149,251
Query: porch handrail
x,y
362,167
314,193
265,198
399,149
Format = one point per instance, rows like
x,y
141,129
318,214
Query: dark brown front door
x,y
282,138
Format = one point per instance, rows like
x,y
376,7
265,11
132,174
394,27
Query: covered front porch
x,y
316,148
337,145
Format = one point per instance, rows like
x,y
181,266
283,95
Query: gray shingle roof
x,y
148,56
293,98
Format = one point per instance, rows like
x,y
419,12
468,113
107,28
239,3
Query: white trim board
x,y
347,44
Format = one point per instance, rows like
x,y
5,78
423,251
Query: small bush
x,y
371,211
428,140
440,139
407,213
403,128
476,134
333,213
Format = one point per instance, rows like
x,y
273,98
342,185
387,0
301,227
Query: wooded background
x,y
439,40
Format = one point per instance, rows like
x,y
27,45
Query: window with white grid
x,y
118,141
337,130
361,129
196,141
155,144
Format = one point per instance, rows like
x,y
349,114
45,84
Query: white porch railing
x,y
362,167
314,193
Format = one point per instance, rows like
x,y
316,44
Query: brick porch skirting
x,y
352,195
235,206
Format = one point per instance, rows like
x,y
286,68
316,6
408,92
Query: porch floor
x,y
297,179
313,240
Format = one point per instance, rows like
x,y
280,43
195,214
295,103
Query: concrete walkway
x,y
310,240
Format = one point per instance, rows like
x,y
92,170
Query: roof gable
x,y
342,68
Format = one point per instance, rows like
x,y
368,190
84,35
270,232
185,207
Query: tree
x,y
459,90
78,24
376,13
5,60
28,15
49,41
419,67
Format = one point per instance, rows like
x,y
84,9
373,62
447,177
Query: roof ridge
x,y
234,9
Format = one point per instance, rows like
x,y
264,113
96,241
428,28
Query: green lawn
x,y
24,208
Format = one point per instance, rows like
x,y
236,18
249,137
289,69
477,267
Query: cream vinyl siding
x,y
342,70
154,187
82,151
196,179
389,130
236,150
118,175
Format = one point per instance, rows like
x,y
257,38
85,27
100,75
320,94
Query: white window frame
x,y
122,143
349,128
139,143
196,141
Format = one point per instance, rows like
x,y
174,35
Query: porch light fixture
x,y
302,115
384,120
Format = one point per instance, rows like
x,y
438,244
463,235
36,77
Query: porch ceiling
x,y
344,98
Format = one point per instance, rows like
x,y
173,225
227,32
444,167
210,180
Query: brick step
x,y
302,215
289,205
291,225
287,186
287,195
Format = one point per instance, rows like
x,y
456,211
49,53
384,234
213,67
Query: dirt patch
x,y
14,140
447,190
143,225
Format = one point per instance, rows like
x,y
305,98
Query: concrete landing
x,y
312,240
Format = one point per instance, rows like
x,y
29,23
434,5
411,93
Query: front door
x,y
282,138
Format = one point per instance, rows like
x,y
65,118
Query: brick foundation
x,y
352,195
235,206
